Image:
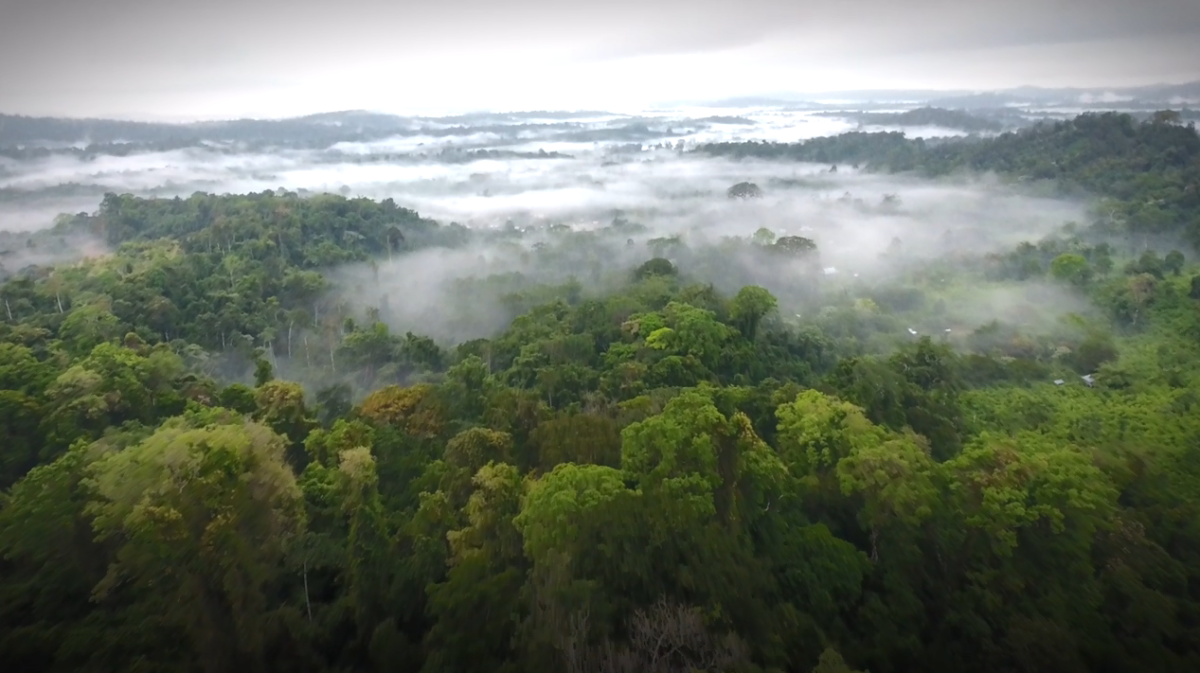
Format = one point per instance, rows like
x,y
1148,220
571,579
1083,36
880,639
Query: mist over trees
x,y
977,121
1148,171
274,431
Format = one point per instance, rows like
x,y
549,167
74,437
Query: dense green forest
x,y
218,457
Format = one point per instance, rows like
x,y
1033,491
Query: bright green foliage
x,y
1005,486
1071,268
896,480
87,327
110,386
485,580
718,465
201,519
21,371
749,307
677,450
280,405
550,516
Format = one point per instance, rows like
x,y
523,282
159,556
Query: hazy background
x,y
175,60
480,172
520,175
642,83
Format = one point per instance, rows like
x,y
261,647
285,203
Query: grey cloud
x,y
59,52
190,30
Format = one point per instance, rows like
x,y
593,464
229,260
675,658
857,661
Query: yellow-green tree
x,y
200,519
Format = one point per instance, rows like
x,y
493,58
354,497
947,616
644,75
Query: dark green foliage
x,y
796,245
744,190
263,372
929,116
655,267
671,470
888,149
1174,262
238,397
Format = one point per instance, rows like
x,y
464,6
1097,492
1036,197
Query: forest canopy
x,y
217,454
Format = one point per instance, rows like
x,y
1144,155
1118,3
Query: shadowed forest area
x,y
229,442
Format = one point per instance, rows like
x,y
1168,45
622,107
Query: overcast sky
x,y
220,58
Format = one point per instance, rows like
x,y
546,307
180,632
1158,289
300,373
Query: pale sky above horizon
x,y
167,59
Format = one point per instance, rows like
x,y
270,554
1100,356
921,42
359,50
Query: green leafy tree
x,y
1071,268
744,190
763,236
1173,262
655,267
200,519
749,307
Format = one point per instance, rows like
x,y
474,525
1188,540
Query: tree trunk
x,y
307,604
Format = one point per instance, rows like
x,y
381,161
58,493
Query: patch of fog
x,y
943,221
1035,304
781,126
458,122
671,192
573,148
21,250
847,213
362,178
140,172
417,143
418,292
1106,97
686,194
1069,112
40,214
919,131
364,169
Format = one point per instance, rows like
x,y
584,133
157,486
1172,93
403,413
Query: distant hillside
x,y
1156,95
310,130
21,130
1149,169
926,116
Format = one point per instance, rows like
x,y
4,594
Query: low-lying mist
x,y
444,168
579,217
868,230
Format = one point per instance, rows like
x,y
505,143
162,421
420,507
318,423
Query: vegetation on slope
x,y
1148,171
643,474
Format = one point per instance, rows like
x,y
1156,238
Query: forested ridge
x,y
1148,170
41,138
217,456
982,121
